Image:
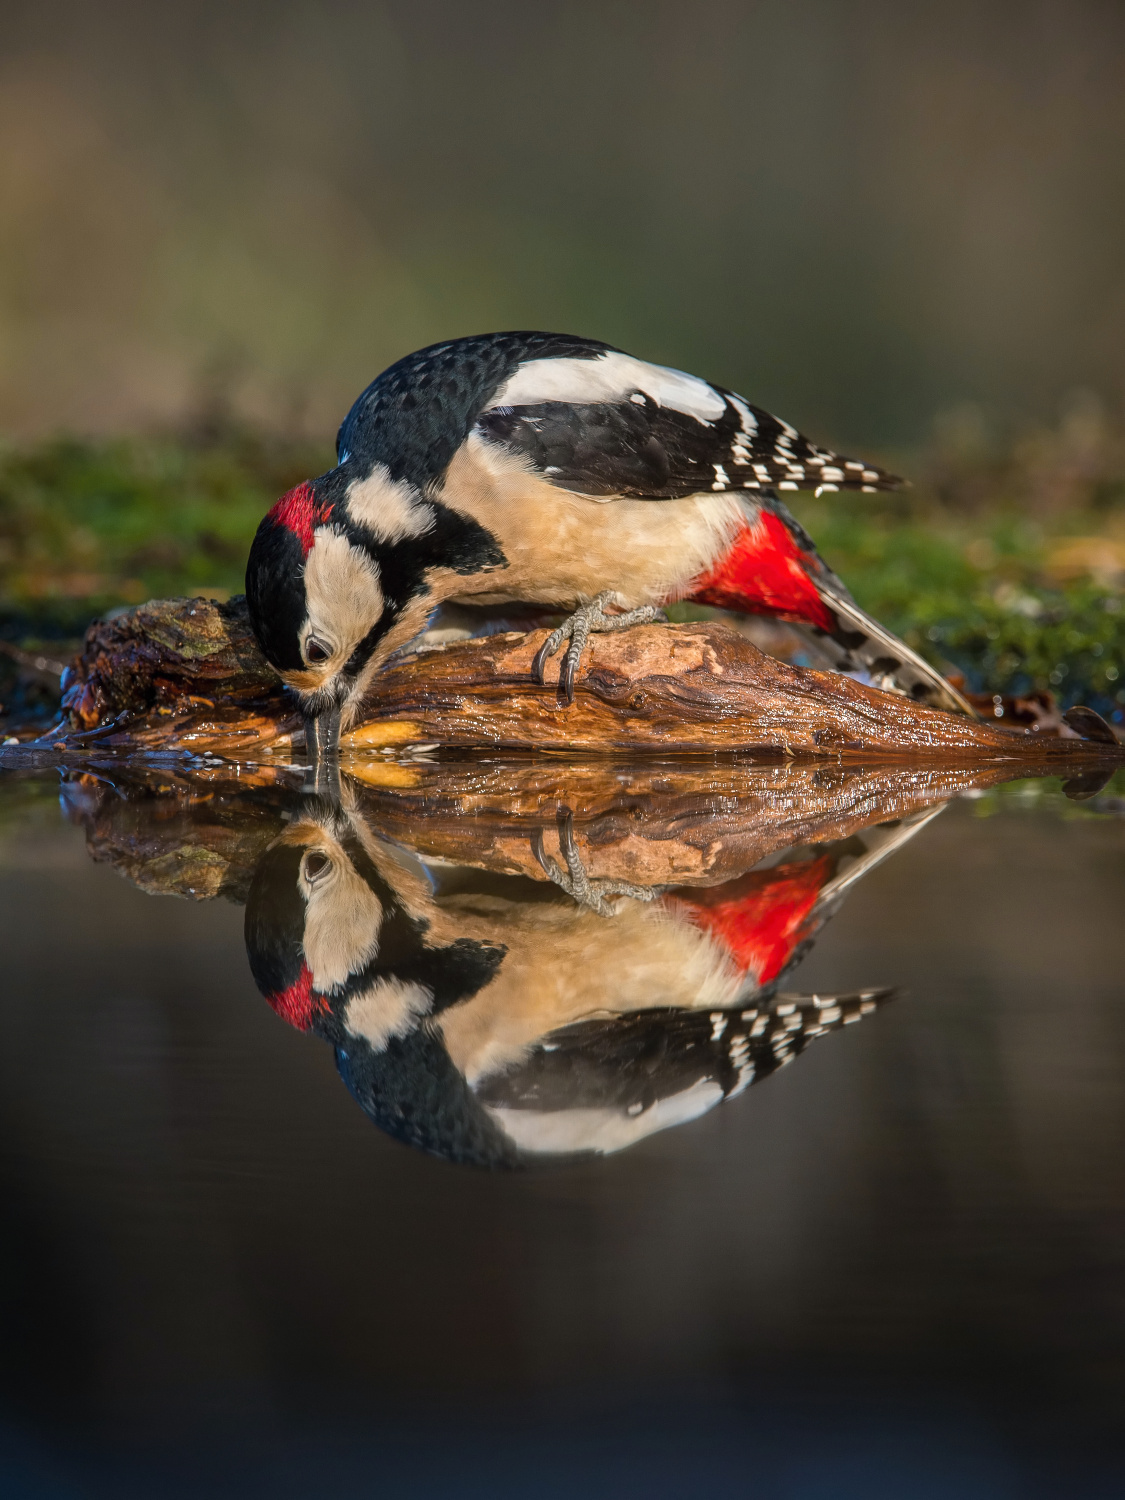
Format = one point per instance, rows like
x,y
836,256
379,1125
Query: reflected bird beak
x,y
322,747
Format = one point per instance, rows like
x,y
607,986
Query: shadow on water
x,y
894,1269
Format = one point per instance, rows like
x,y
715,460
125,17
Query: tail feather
x,y
881,842
772,568
765,1038
861,643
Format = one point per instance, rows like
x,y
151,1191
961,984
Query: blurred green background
x,y
900,227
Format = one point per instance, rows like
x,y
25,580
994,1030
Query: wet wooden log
x,y
653,825
199,832
186,677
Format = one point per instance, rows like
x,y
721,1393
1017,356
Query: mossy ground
x,y
1015,604
87,526
1016,593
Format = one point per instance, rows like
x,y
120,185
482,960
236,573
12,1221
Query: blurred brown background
x,y
862,214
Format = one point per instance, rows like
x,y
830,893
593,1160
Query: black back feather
x,y
416,414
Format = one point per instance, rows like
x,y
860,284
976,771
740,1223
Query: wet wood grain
x,y
186,676
199,832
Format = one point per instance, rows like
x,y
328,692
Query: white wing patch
x,y
603,1130
609,377
742,447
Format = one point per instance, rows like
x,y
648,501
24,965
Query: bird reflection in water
x,y
492,1001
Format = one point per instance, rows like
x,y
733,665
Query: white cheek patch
x,y
389,1008
342,921
609,377
344,595
390,509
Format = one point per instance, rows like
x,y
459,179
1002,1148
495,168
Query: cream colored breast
x,y
560,545
565,964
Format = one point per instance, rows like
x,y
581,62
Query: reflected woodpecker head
x,y
337,934
314,917
315,597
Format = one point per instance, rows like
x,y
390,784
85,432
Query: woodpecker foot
x,y
574,879
586,619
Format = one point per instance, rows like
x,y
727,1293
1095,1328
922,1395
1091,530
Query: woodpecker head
x,y
316,602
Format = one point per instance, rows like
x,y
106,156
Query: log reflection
x,y
532,962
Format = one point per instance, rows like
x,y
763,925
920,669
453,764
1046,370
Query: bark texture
x,y
186,677
200,832
650,824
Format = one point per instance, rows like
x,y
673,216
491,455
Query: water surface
x,y
888,1261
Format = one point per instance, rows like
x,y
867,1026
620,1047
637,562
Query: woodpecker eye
x,y
317,865
316,651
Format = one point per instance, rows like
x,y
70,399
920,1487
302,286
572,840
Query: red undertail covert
x,y
763,918
764,571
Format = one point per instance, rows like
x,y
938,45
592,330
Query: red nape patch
x,y
300,512
764,572
762,918
298,1004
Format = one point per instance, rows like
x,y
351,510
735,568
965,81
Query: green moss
x,y
91,525
1001,598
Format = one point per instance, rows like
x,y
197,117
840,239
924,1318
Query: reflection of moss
x,y
1045,793
1015,604
27,803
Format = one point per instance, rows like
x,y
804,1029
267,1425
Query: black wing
x,y
659,434
631,1062
589,417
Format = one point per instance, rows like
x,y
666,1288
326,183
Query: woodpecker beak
x,y
322,747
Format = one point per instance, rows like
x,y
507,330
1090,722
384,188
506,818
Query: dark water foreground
x,y
504,1209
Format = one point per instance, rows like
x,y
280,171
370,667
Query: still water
x,y
550,1131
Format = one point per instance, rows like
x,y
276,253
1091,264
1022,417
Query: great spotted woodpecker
x,y
483,1017
546,470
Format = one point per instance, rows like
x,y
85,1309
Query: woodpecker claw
x,y
539,665
586,619
569,671
575,881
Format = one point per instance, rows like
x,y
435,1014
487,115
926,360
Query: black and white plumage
x,y
490,1019
597,420
606,1084
543,470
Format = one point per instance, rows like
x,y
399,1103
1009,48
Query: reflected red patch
x,y
762,918
764,572
300,512
299,1004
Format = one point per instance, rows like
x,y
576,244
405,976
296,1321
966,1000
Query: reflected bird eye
x,y
316,865
316,651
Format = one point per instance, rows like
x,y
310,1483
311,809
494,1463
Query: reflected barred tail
x,y
764,1037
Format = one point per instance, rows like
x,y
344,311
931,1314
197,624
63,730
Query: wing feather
x,y
617,426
